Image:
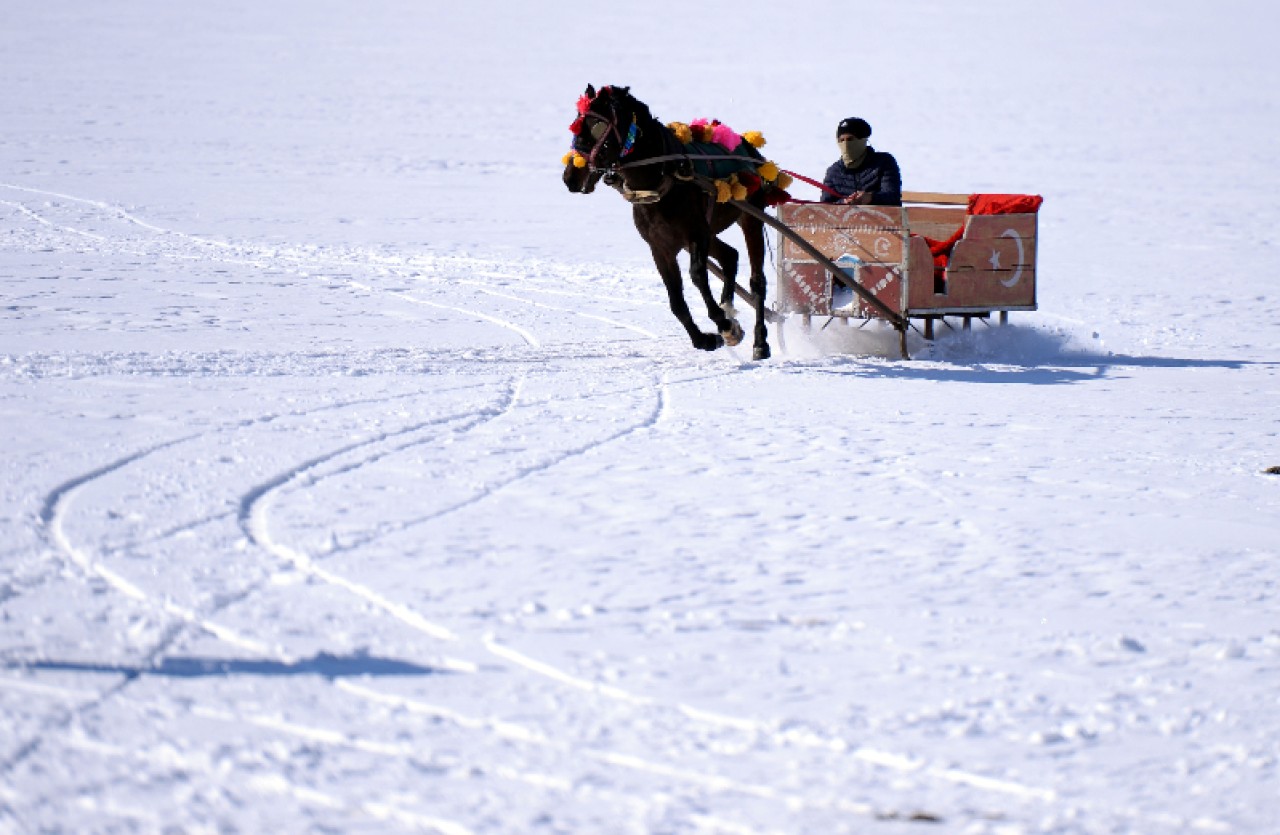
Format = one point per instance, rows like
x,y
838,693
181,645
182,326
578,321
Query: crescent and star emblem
x,y
995,258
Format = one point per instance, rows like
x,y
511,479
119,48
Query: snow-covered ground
x,y
357,477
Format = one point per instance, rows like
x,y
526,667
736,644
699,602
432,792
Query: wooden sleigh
x,y
887,269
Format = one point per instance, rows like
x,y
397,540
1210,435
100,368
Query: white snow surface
x,y
357,477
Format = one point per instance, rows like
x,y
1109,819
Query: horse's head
x,y
600,135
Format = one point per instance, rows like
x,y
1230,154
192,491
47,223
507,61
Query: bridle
x,y
601,128
600,131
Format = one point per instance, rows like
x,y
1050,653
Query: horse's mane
x,y
638,107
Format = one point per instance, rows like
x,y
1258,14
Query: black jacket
x,y
877,174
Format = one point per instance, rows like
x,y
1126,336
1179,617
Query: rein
x,y
669,157
813,182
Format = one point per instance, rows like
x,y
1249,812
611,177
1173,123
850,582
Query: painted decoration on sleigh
x,y
989,263
868,243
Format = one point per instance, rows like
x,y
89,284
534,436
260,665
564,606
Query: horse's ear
x,y
591,91
623,91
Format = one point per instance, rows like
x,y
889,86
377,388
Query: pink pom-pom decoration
x,y
726,137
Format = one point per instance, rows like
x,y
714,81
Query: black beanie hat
x,y
858,128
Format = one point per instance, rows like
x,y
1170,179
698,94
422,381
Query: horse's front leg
x,y
669,269
730,330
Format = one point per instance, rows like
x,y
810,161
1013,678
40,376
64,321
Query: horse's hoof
x,y
732,336
761,352
708,342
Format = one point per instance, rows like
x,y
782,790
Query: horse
x,y
674,208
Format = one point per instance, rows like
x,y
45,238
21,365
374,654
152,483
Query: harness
x,y
686,169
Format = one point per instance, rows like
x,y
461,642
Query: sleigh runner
x,y
939,255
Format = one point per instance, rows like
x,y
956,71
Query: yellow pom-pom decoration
x,y
682,131
768,171
755,137
723,192
567,158
737,189
579,161
784,181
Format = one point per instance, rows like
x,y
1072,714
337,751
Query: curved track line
x,y
57,505
520,475
710,782
494,320
54,512
498,727
556,674
320,735
107,207
262,256
259,531
800,739
276,783
259,256
36,217
405,750
605,319
871,756
255,520
530,288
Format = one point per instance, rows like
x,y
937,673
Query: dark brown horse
x,y
617,138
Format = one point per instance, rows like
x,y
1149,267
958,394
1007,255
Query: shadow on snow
x,y
1010,355
323,664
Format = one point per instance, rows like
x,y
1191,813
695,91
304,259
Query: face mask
x,y
852,151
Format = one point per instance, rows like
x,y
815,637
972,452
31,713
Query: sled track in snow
x,y
309,263
621,355
57,504
403,752
522,474
274,785
255,508
53,514
879,759
255,511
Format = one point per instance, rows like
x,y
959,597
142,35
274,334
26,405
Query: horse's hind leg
x,y
727,257
753,234
669,269
760,345
729,329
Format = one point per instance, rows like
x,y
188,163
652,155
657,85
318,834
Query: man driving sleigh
x,y
862,176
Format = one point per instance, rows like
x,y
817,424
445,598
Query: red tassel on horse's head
x,y
584,104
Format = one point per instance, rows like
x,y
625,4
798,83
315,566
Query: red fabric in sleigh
x,y
981,204
1004,204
